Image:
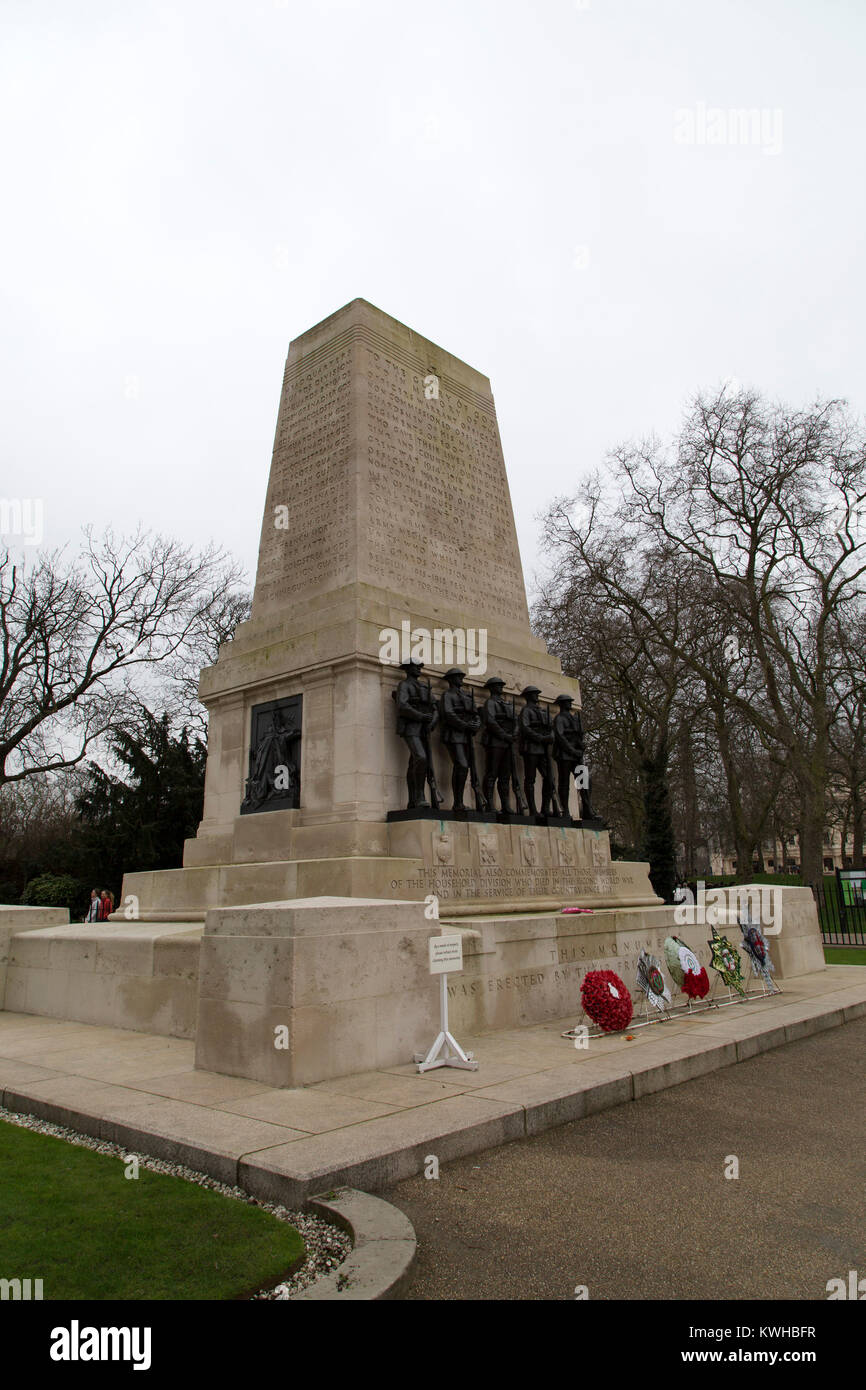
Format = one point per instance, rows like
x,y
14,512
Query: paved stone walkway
x,y
370,1130
634,1202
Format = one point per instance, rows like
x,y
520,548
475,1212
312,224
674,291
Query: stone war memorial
x,y
388,743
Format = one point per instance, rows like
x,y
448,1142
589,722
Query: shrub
x,y
57,890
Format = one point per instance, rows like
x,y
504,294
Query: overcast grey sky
x,y
539,188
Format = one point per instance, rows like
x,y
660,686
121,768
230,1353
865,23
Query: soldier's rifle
x,y
522,806
474,781
435,795
551,766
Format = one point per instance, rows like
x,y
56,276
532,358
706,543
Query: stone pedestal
x,y
14,920
470,866
347,978
787,917
293,993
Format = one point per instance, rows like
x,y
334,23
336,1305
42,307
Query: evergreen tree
x,y
659,845
140,822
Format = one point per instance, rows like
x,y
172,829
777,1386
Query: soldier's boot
x,y
420,776
458,782
480,798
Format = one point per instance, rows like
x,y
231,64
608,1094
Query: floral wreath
x,y
606,1000
686,969
696,983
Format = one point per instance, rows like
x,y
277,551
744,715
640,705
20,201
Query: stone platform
x,y
376,1127
346,980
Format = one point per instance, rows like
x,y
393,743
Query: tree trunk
x,y
857,830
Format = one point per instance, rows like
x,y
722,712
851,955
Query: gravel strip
x,y
327,1246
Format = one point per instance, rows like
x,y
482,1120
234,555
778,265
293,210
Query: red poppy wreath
x,y
696,983
606,1000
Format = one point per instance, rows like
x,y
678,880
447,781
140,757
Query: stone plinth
x,y
139,976
787,916
471,866
346,978
478,866
22,919
527,969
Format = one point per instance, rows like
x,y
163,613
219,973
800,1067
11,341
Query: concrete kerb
x,y
383,1248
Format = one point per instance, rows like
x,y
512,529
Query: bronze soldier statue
x,y
416,718
498,738
536,742
460,722
569,752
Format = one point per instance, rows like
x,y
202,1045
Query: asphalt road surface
x,y
634,1202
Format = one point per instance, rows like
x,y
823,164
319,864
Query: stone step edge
x,y
252,1174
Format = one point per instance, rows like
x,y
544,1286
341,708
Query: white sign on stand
x,y
446,956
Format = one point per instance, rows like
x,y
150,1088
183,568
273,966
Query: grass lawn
x,y
845,955
69,1217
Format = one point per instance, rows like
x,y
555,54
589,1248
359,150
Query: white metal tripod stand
x,y
446,955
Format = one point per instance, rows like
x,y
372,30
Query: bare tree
x,y
756,508
75,636
848,732
633,693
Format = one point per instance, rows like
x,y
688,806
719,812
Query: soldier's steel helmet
x,y
564,700
455,671
494,680
411,665
529,690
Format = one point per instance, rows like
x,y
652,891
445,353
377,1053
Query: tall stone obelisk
x,y
387,512
387,505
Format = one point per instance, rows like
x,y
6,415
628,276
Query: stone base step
x,y
137,975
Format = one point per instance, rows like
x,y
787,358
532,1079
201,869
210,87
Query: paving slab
x,y
14,1073
377,1127
312,1112
379,1152
388,1088
198,1087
